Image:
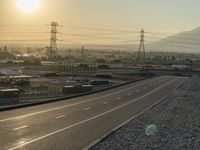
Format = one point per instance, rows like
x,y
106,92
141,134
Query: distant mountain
x,y
182,42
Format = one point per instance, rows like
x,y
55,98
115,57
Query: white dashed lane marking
x,y
58,117
105,102
19,128
88,108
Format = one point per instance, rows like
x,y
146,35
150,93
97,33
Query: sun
x,y
28,5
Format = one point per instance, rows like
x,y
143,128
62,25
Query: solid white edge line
x,y
81,102
89,119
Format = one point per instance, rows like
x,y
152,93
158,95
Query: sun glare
x,y
28,5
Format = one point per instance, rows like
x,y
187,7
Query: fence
x,y
82,69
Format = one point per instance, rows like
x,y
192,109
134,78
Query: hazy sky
x,y
152,15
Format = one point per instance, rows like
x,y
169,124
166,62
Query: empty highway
x,y
75,123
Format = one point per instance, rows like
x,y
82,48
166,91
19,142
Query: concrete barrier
x,y
77,89
100,82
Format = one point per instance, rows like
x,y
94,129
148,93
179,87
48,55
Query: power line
x,y
88,28
31,40
101,29
175,41
89,35
24,25
178,37
162,33
22,33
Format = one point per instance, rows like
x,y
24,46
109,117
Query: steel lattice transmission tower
x,y
52,50
141,56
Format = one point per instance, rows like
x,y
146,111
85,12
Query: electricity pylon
x,y
141,56
52,49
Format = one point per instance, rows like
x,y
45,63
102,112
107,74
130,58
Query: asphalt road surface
x,y
75,123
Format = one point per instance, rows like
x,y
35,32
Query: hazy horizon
x,y
104,22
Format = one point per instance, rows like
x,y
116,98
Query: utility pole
x,y
141,56
5,49
83,48
28,51
69,54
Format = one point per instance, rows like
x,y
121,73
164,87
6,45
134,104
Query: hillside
x,y
182,42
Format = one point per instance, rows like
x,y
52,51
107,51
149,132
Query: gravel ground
x,y
177,120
